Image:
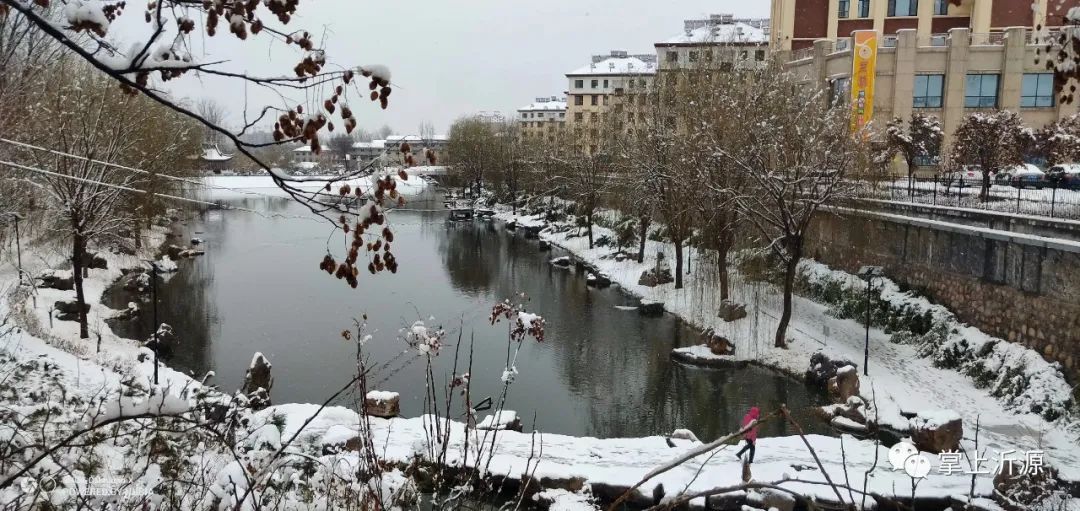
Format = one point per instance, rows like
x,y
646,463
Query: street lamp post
x,y
868,273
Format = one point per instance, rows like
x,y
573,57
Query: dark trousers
x,y
749,446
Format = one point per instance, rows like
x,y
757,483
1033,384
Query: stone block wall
x,y
1020,292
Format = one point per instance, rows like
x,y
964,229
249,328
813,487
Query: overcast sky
x,y
453,58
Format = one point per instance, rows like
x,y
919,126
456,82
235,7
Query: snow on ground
x,y
621,462
246,187
900,382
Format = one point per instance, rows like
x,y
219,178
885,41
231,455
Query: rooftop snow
x,y
546,105
616,66
737,32
374,144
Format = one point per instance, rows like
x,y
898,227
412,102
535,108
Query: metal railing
x,y
1043,198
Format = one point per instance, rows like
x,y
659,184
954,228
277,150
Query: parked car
x,y
1027,175
967,175
1065,175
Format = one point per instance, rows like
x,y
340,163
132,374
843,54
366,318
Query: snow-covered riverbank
x,y
901,382
591,466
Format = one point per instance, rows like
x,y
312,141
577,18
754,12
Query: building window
x,y
903,7
693,56
578,84
844,7
540,115
759,55
941,7
672,57
928,91
840,90
605,84
981,91
593,100
524,115
864,8
725,66
579,116
579,100
594,84
1037,90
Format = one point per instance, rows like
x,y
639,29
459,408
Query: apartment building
x,y
719,41
955,76
599,88
796,24
542,119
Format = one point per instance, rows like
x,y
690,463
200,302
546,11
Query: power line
x,y
130,169
145,192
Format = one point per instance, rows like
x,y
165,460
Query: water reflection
x,y
601,371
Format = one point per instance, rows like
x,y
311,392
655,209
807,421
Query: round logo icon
x,y
31,486
900,453
865,51
917,466
28,485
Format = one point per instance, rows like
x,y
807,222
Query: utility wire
x,y
145,192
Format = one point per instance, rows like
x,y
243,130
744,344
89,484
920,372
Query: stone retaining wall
x,y
1013,289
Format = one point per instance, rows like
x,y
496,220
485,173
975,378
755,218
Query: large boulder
x,y
650,308
844,384
173,251
731,311
718,344
598,280
651,278
57,279
94,261
937,431
380,403
165,342
822,368
258,381
68,310
562,261
137,281
1020,488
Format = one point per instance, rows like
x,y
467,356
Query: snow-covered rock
x,y
381,403
937,431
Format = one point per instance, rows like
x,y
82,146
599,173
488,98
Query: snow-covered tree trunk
x,y
78,257
643,234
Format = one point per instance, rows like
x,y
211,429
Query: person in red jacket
x,y
751,434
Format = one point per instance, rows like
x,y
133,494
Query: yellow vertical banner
x,y
863,69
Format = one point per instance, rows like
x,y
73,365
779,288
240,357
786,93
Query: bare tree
x,y
799,159
214,113
316,95
473,151
101,124
993,141
919,139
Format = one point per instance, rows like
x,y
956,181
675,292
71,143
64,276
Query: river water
x,y
601,371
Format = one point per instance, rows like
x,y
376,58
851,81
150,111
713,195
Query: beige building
x,y
542,119
599,89
949,79
796,24
719,41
